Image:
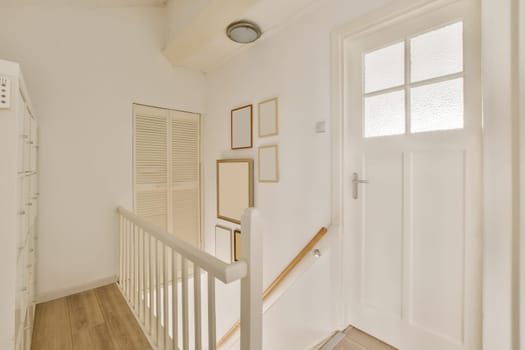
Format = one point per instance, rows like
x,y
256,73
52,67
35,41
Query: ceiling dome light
x,y
243,32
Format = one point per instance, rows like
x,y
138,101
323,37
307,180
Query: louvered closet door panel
x,y
152,206
151,164
185,175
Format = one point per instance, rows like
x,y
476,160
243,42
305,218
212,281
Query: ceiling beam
x,y
207,18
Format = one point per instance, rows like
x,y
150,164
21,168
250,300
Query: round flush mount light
x,y
243,32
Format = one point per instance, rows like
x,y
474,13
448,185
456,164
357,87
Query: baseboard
x,y
42,298
319,345
330,342
333,341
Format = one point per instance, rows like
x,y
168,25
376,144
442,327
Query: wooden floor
x,y
96,319
357,340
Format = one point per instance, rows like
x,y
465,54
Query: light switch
x,y
5,93
320,127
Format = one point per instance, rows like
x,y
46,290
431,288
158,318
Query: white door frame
x,y
500,25
501,298
522,172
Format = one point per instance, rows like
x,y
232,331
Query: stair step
x,y
333,341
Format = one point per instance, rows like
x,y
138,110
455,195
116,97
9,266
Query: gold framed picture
x,y
269,117
241,127
234,188
269,163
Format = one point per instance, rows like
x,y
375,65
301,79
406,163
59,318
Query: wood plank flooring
x,y
98,319
358,340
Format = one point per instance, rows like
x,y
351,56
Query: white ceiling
x,y
81,3
201,43
196,28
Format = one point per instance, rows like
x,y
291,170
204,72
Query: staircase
x,y
157,269
158,279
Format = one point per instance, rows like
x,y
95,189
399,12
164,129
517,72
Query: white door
x,y
413,181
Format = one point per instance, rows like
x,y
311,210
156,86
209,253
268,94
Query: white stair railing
x,y
302,262
156,270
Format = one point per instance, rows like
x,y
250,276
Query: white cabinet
x,y
18,209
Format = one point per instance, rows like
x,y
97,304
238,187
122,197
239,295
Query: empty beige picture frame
x,y
234,188
269,117
223,244
241,127
269,163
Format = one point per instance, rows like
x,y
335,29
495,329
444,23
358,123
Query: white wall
x,y
294,65
84,68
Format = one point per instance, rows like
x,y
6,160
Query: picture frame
x,y
241,127
268,117
234,188
223,244
236,245
268,163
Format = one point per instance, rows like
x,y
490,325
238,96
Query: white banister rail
x,y
225,272
154,277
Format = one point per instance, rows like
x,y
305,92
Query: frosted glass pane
x,y
437,106
385,68
385,114
437,53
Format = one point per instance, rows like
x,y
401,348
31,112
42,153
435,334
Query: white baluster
x,y
151,286
124,243
128,278
212,334
136,268
197,306
251,286
132,263
126,266
157,293
165,307
143,279
121,256
185,327
174,300
138,307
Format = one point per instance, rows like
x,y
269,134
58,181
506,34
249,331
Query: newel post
x,y
251,285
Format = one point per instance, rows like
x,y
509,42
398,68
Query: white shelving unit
x,y
18,209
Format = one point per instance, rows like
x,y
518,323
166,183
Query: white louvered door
x,y
166,170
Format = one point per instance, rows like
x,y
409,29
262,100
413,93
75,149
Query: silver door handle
x,y
355,185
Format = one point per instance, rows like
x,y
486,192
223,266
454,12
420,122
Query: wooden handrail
x,y
291,266
279,279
